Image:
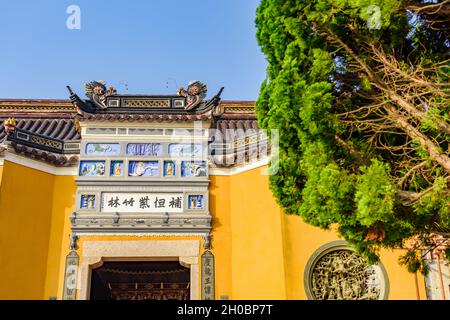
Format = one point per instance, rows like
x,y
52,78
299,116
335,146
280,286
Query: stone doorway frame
x,y
94,253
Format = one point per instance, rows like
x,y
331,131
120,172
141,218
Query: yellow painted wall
x,y
269,249
260,252
1,174
219,198
25,215
301,242
402,283
63,205
256,239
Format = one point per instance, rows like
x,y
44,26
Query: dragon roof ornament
x,y
97,92
10,125
195,93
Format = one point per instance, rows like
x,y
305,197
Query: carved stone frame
x,y
334,246
96,252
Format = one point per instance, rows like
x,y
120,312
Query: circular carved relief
x,y
337,272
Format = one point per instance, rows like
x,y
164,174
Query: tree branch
x,y
415,134
404,104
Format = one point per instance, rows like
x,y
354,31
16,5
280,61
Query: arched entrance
x,y
140,280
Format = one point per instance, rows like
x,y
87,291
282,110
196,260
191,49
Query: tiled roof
x,y
50,157
30,107
55,128
43,131
241,127
54,119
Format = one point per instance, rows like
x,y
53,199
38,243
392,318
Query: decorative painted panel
x,y
208,283
185,150
92,168
145,103
193,169
169,168
144,149
195,201
116,169
142,202
143,169
87,201
102,149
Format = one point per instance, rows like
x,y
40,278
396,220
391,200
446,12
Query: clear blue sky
x,y
151,46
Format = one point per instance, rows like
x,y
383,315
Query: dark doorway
x,y
140,280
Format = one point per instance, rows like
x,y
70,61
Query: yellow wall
x,y
270,250
25,215
260,252
1,174
302,240
62,207
219,198
257,244
247,239
33,210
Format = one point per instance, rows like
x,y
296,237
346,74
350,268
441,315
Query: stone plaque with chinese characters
x,y
142,202
208,276
70,277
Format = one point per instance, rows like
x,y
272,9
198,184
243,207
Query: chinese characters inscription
x,y
142,202
208,276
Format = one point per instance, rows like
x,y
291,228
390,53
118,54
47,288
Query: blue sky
x,y
138,46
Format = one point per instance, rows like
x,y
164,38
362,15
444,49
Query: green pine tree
x,y
360,92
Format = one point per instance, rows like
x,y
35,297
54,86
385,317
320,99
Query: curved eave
x,y
146,117
59,160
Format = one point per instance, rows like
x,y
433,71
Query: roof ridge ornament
x,y
97,92
10,125
195,93
187,103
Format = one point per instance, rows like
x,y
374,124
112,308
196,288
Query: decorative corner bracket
x,y
207,241
73,241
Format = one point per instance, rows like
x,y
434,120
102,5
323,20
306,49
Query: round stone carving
x,y
337,272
